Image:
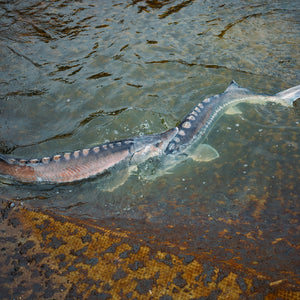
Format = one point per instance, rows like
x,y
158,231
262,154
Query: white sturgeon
x,y
81,164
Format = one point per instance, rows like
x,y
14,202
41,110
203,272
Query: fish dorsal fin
x,y
232,86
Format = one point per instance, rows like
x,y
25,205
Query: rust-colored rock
x,y
50,256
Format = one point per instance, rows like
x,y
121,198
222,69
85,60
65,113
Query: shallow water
x,y
75,74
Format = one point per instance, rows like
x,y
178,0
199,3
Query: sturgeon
x,y
82,164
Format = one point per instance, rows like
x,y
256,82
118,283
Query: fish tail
x,y
290,95
3,162
5,167
15,169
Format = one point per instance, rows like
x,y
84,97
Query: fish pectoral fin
x,y
116,179
204,152
119,178
233,111
132,169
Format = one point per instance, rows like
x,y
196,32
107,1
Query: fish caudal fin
x,y
5,167
18,171
290,95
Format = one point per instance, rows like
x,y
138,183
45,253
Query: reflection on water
x,y
76,74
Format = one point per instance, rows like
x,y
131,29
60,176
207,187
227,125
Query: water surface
x,y
75,74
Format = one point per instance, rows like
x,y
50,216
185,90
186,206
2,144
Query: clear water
x,y
75,74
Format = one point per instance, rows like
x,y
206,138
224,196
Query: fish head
x,y
166,137
152,145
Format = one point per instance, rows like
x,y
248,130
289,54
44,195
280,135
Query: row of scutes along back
x,y
110,146
186,126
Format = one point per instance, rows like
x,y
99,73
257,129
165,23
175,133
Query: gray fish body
x,y
201,119
81,164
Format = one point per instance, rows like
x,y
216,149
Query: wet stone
x,y
44,234
136,265
100,296
15,272
35,273
242,284
14,222
260,284
43,226
28,245
87,238
62,288
73,294
93,261
5,211
88,281
49,292
215,293
187,259
179,281
79,252
120,273
47,270
221,275
157,274
125,254
167,260
37,288
75,232
78,260
166,297
18,293
129,295
56,243
135,248
144,286
209,272
107,287
62,264
39,257
61,257
71,269
112,248
22,261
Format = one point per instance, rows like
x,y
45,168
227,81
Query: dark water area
x,y
74,74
